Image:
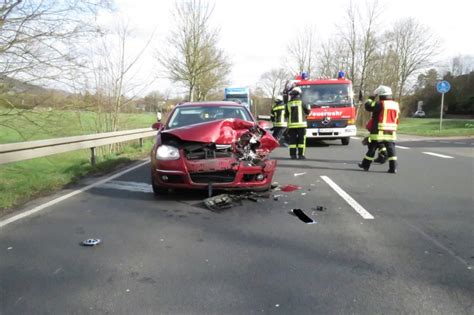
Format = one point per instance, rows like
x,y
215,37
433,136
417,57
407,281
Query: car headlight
x,y
167,153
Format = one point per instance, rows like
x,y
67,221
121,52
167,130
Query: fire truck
x,y
333,111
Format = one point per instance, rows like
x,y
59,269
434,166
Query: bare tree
x,y
112,70
209,82
302,50
368,41
414,46
38,39
192,50
272,82
349,34
333,56
462,64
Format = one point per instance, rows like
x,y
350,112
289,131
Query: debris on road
x,y
10,248
299,174
219,202
319,208
91,242
302,216
276,197
225,201
290,188
303,194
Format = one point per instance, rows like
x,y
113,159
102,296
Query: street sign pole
x,y
441,113
442,87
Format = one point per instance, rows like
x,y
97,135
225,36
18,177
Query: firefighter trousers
x,y
297,141
373,146
278,134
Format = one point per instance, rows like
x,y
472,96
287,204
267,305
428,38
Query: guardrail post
x,y
93,156
140,141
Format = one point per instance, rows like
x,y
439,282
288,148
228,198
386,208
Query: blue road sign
x,y
443,86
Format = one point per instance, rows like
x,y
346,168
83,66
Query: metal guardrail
x,y
19,151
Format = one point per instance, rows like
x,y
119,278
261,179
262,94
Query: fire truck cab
x,y
333,112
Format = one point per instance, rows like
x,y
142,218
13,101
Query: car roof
x,y
210,103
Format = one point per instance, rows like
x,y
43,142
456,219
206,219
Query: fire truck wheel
x,y
345,141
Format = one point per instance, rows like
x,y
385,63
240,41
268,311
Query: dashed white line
x,y
354,204
402,147
66,196
439,155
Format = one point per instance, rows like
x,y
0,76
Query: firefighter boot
x,y
365,164
300,154
293,153
392,167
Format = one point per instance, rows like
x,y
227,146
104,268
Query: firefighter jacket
x,y
384,121
296,114
278,115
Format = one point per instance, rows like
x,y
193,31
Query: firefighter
x,y
278,119
385,117
296,113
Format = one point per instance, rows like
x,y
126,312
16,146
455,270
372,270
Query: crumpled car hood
x,y
225,131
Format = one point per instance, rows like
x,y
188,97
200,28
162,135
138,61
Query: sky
x,y
255,33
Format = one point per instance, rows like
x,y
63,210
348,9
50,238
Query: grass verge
x,y
25,180
430,127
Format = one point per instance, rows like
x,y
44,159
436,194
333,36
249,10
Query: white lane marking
x,y
356,138
66,196
439,155
354,204
130,186
402,147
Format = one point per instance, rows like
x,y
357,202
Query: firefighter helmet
x,y
278,99
295,91
383,90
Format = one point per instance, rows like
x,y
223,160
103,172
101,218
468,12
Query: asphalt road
x,y
170,255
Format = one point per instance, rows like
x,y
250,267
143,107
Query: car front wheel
x,y
345,141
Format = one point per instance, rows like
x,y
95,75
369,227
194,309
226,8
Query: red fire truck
x,y
333,112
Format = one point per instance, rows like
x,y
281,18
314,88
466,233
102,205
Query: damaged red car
x,y
217,144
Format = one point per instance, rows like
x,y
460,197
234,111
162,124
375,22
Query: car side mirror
x,y
157,126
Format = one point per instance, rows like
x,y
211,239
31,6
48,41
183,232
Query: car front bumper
x,y
221,173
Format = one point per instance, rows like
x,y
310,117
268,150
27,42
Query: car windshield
x,y
326,94
185,116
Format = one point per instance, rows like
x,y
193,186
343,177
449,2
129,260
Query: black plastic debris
x,y
225,201
219,202
273,186
319,208
302,216
91,242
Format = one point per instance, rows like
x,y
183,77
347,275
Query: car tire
x,y
158,190
345,141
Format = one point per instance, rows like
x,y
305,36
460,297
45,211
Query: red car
x,y
212,143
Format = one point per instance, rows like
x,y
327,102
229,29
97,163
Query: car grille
x,y
336,123
206,153
213,177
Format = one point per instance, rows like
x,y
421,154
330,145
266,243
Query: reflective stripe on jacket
x,y
296,114
278,116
